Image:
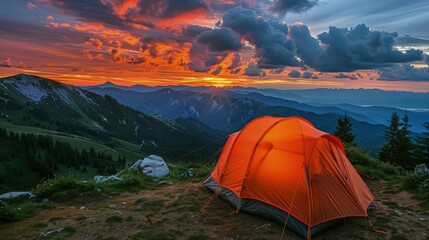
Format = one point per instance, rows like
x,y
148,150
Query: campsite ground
x,y
173,212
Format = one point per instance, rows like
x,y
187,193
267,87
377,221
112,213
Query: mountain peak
x,y
108,84
36,88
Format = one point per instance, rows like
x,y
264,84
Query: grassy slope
x,y
21,177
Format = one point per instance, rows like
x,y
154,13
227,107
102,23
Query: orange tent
x,y
286,169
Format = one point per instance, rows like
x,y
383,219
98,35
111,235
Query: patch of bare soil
x,y
173,212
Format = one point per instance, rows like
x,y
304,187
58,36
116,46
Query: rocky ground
x,y
174,212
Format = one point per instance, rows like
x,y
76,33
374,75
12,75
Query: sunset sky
x,y
286,44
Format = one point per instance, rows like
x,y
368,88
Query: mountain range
x,y
153,116
229,111
40,102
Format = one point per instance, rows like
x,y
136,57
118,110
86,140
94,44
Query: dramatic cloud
x,y
171,8
223,39
273,49
308,48
201,60
404,72
307,74
194,30
349,49
254,71
294,74
343,75
94,43
90,11
217,70
235,61
293,6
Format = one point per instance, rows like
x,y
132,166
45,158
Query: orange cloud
x,y
94,43
132,40
31,5
121,8
91,56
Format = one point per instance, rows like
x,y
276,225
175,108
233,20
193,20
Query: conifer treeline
x,y
44,155
399,149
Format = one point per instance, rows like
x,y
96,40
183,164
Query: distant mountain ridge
x,y
229,111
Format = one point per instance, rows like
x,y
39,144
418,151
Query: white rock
x,y
153,166
15,194
100,179
421,170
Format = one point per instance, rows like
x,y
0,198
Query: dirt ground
x,y
173,212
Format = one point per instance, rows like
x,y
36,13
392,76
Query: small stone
x,y
82,208
264,227
164,183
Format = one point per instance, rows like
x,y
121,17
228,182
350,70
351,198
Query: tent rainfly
x,y
287,170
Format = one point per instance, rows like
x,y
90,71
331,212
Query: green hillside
x,y
79,122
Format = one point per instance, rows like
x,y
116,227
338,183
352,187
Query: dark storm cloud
x,y
292,6
404,72
349,49
294,74
236,60
254,71
170,8
307,74
89,10
202,60
308,48
194,30
343,75
273,49
217,70
222,6
223,39
274,55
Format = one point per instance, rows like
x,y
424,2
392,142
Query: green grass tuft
x,y
114,219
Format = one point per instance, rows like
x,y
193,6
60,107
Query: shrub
x,y
13,211
62,188
423,189
357,156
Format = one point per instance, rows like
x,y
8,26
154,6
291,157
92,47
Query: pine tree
x,y
405,157
389,151
344,129
422,146
398,149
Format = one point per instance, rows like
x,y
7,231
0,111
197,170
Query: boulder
x,y
100,179
15,194
153,166
421,169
